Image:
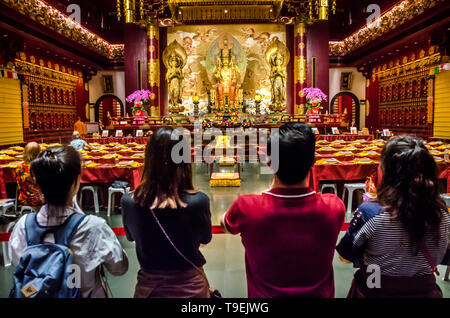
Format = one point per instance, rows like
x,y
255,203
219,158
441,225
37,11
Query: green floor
x,y
224,255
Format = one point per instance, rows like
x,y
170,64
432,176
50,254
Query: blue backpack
x,y
44,269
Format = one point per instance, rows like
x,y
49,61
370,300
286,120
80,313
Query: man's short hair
x,y
75,134
297,147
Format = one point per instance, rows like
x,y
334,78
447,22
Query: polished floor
x,y
225,255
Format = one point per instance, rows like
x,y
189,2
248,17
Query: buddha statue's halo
x,y
236,51
225,41
172,50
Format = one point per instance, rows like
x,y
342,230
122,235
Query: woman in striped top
x,y
405,233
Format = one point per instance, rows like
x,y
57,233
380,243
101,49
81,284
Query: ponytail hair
x,y
409,187
56,169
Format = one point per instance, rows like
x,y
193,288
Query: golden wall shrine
x,y
404,89
49,96
202,41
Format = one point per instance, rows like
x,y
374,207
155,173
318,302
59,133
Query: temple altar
x,y
228,72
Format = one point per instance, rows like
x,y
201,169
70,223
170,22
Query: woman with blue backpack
x,y
397,240
59,251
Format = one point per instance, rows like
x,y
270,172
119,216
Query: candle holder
x,y
258,104
196,101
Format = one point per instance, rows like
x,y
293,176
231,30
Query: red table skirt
x,y
123,140
343,137
106,173
110,173
348,171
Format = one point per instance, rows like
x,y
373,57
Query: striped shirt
x,y
386,243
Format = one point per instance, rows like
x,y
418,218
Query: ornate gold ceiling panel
x,y
189,11
218,13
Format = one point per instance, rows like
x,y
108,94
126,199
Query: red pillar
x,y
135,50
318,59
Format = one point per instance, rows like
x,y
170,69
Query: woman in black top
x,y
166,190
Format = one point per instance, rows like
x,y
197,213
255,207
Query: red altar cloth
x,y
343,172
445,174
122,140
344,137
2,185
356,171
105,173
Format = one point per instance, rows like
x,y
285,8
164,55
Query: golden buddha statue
x,y
278,79
226,93
174,59
226,80
174,77
277,57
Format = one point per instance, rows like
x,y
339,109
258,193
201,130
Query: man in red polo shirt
x,y
289,232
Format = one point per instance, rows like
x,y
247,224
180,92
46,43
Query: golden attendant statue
x,y
277,56
174,58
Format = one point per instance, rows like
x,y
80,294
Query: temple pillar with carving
x,y
300,66
153,67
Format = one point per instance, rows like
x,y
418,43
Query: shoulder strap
x,y
173,245
63,233
429,259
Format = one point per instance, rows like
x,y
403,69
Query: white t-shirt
x,y
93,244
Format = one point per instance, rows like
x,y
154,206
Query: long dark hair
x,y
56,169
409,187
163,180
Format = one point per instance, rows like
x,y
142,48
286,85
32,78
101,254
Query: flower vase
x,y
139,119
314,111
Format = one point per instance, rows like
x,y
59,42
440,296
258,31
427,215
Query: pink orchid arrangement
x,y
140,96
314,97
141,100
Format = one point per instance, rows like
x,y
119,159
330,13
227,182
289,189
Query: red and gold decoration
x,y
300,65
153,66
51,96
59,22
392,19
403,90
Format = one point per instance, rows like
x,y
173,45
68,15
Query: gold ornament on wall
x,y
153,72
